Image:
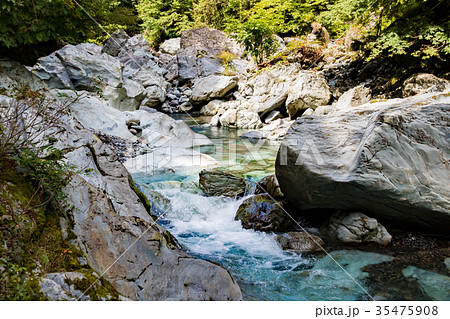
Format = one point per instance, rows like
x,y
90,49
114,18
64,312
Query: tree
x,y
163,19
257,38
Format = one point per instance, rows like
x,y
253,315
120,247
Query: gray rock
x,y
137,46
170,46
212,42
212,87
12,73
200,48
192,65
424,83
269,185
272,104
55,287
62,287
141,259
253,135
72,68
215,120
274,115
169,62
90,48
355,228
228,118
300,242
389,159
115,43
217,183
261,212
354,97
212,108
247,120
309,90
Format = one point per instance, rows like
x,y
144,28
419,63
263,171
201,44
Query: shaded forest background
x,y
417,30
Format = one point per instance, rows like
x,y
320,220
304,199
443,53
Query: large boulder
x,y
309,90
199,52
217,183
115,43
76,69
261,212
389,159
248,120
355,228
212,87
300,242
424,83
354,97
212,41
269,185
95,113
12,74
170,46
113,227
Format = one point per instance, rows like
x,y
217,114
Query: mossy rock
x,y
261,212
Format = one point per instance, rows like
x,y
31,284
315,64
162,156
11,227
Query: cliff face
x,y
110,226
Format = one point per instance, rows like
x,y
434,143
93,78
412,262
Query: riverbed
x,y
206,228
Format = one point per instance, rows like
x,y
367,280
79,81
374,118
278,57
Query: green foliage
x,y
417,28
46,169
12,285
25,22
113,15
340,15
256,37
217,13
163,19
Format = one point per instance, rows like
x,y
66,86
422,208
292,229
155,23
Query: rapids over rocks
x,y
206,228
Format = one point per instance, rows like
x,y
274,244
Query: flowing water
x,y
206,228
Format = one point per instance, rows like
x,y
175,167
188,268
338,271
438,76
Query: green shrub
x,y
257,38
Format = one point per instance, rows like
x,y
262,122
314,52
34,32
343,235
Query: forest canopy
x,y
419,28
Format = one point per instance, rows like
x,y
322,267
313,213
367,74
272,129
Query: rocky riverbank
x,y
354,170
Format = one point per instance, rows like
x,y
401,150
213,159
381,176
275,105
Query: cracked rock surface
x,y
119,236
389,159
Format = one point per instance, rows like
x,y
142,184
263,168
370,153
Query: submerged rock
x,y
261,212
435,285
355,228
217,183
300,242
389,159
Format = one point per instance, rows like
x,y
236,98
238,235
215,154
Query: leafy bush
x,y
256,37
420,29
26,21
26,118
163,19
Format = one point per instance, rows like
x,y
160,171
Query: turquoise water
x,y
206,228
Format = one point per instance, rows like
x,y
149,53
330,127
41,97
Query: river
x,y
206,228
